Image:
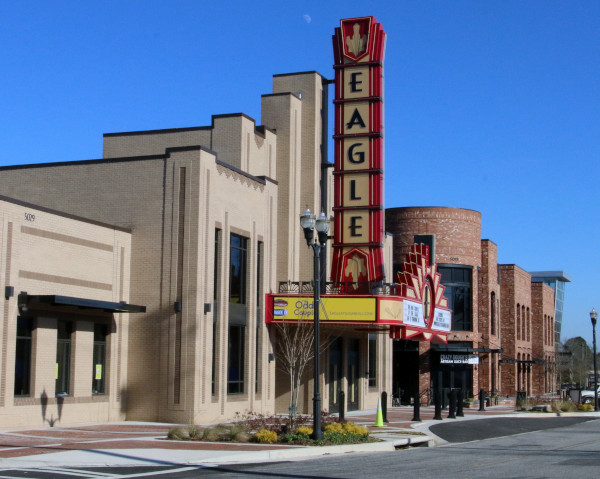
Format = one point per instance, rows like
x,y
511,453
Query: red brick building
x,y
502,327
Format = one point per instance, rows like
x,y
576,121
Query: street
x,y
556,447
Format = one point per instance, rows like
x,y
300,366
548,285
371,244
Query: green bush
x,y
586,407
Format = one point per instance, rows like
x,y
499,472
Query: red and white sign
x,y
359,45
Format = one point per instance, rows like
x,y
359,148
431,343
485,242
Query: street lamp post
x,y
321,224
594,318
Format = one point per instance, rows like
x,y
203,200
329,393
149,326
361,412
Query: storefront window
x,y
372,360
63,357
23,356
99,363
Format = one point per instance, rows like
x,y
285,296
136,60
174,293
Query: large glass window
x,y
235,359
236,350
238,269
216,283
99,364
259,314
63,357
23,356
372,360
457,281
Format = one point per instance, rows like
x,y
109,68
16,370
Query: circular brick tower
x,y
454,238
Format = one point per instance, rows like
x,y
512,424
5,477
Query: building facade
x,y
501,338
210,219
65,321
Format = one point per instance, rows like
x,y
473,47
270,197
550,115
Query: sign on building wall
x,y
426,313
359,45
334,309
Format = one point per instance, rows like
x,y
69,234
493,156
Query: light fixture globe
x,y
307,221
322,223
594,316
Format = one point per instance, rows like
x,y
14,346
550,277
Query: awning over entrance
x,y
33,301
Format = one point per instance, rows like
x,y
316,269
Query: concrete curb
x,y
156,457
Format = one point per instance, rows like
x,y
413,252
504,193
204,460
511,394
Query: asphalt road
x,y
537,448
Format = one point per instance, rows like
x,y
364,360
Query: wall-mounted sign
x,y
359,45
459,359
413,314
426,313
338,309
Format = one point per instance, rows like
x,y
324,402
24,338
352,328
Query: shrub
x,y
217,433
265,436
195,433
241,436
334,427
352,428
304,431
586,407
177,434
564,406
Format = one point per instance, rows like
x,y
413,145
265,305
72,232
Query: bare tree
x,y
294,351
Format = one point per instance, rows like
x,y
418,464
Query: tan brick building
x,y
66,316
204,222
502,320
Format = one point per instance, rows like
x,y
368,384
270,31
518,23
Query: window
x,y
235,359
493,313
259,312
372,360
238,269
99,365
236,350
518,321
457,281
23,356
216,283
63,357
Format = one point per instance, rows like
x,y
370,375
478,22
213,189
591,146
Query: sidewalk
x,y
134,443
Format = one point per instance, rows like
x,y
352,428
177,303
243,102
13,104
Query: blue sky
x,y
490,105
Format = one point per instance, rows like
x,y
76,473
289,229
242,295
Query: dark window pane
x,y
63,357
23,357
457,282
99,371
235,356
372,360
237,269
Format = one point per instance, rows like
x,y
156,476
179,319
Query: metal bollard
x,y
342,406
452,405
482,400
384,406
417,409
438,405
459,406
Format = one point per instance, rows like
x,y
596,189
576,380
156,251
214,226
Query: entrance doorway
x,y
335,375
353,363
405,372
